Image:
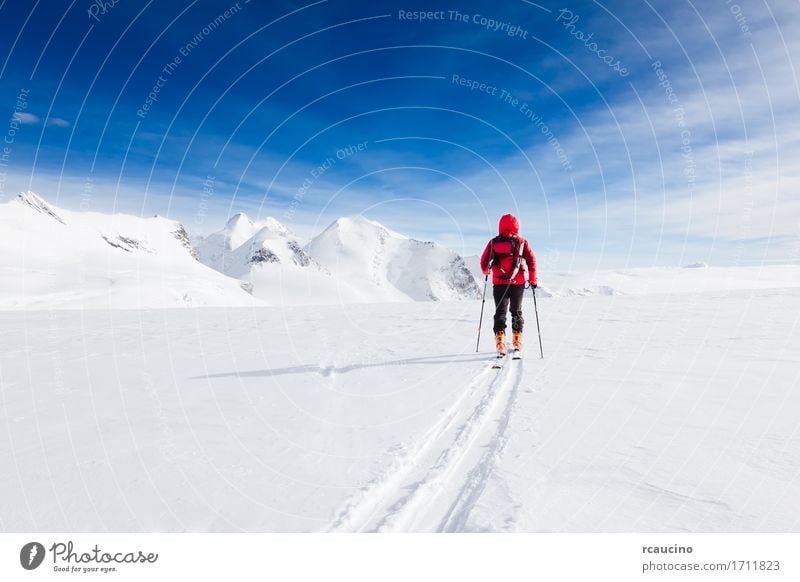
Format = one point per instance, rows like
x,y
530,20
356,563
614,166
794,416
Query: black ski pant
x,y
503,295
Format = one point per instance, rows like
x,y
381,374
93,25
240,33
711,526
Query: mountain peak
x,y
359,222
30,197
357,219
242,223
237,220
273,225
37,203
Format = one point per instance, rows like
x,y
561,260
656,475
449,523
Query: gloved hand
x,y
485,272
533,285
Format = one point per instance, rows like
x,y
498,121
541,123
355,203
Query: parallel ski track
x,y
455,520
449,487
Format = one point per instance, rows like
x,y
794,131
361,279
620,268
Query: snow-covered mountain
x,y
54,258
271,262
353,260
215,250
367,253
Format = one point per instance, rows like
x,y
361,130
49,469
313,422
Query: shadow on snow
x,y
328,370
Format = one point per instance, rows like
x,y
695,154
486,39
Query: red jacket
x,y
509,226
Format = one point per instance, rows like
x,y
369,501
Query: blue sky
x,y
622,134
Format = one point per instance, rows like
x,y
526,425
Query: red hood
x,y
509,225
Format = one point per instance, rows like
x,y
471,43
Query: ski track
x,y
457,516
434,484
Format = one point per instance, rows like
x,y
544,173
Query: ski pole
x,y
480,322
538,329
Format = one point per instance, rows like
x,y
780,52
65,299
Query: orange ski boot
x,y
500,342
517,340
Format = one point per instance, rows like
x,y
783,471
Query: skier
x,y
503,255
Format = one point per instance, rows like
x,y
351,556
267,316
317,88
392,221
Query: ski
x,y
516,355
498,362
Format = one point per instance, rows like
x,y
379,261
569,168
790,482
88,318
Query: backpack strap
x,y
517,259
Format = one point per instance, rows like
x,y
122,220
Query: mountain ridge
x,y
54,258
355,258
133,261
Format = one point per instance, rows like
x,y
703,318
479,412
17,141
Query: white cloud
x,y
26,118
57,122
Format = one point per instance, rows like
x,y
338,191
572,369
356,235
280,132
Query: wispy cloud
x,y
57,122
26,118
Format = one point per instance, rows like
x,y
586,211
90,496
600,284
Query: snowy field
x,y
652,411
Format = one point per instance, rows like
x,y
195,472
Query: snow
x,y
239,230
54,258
667,399
650,412
657,280
354,260
389,266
